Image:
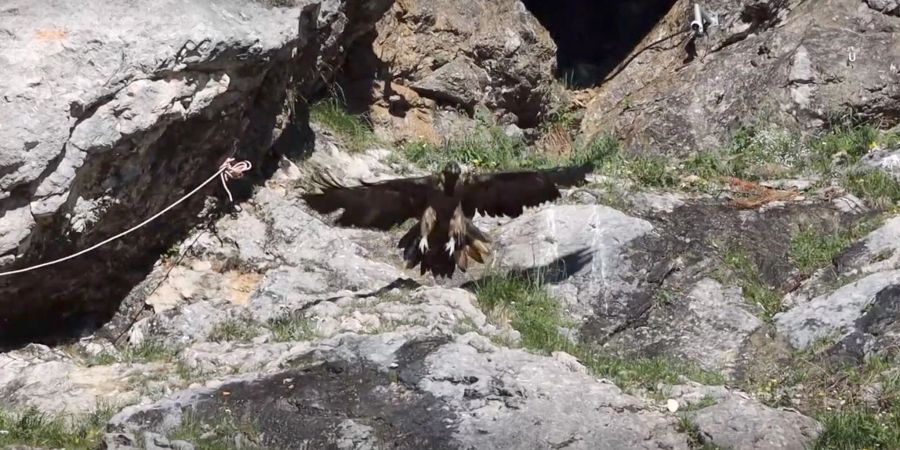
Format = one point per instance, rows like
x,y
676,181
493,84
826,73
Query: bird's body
x,y
443,237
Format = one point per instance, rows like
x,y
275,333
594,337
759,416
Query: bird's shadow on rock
x,y
554,272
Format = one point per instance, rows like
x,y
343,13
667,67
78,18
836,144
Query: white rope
x,y
227,170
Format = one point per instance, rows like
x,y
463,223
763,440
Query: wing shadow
x,y
555,272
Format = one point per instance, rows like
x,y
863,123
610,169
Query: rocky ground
x,y
646,328
725,287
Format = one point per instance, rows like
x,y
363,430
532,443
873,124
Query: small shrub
x,y
218,433
854,140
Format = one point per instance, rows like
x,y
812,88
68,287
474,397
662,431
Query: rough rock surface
x,y
794,60
101,104
495,54
276,321
428,392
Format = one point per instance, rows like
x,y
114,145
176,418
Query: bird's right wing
x,y
380,205
507,193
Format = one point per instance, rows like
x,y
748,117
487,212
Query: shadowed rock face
x,y
110,116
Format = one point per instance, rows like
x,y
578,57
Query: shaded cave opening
x,y
592,37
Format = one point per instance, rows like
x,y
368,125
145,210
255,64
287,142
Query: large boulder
x,y
113,110
794,62
461,54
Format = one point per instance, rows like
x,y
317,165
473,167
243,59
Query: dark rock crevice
x,y
592,38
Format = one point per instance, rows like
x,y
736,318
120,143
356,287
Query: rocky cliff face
x,y
743,297
112,112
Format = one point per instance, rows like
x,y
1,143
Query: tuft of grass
x,y
33,428
750,281
488,148
876,186
217,435
233,330
854,140
762,151
695,436
531,310
149,351
535,313
354,130
292,327
860,428
811,249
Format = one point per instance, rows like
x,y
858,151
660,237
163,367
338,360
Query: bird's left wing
x,y
380,205
508,193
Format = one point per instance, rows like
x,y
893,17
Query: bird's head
x,y
452,169
450,175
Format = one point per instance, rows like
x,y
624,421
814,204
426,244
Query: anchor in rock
x,y
443,204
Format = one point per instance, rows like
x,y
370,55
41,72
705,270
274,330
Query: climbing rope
x,y
227,171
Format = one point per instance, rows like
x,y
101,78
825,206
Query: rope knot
x,y
229,170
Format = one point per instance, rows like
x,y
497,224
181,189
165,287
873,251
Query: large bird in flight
x,y
444,237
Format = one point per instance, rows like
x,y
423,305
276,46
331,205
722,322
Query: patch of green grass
x,y
101,359
855,140
860,428
652,171
695,436
353,130
488,148
531,310
149,351
762,151
292,327
645,372
33,428
217,435
811,249
877,187
233,330
535,313
704,402
750,281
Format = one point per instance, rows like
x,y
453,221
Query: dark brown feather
x,y
508,193
379,205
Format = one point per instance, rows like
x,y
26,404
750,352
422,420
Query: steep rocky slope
x,y
741,297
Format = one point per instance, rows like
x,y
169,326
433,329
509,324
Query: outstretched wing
x,y
379,205
508,193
